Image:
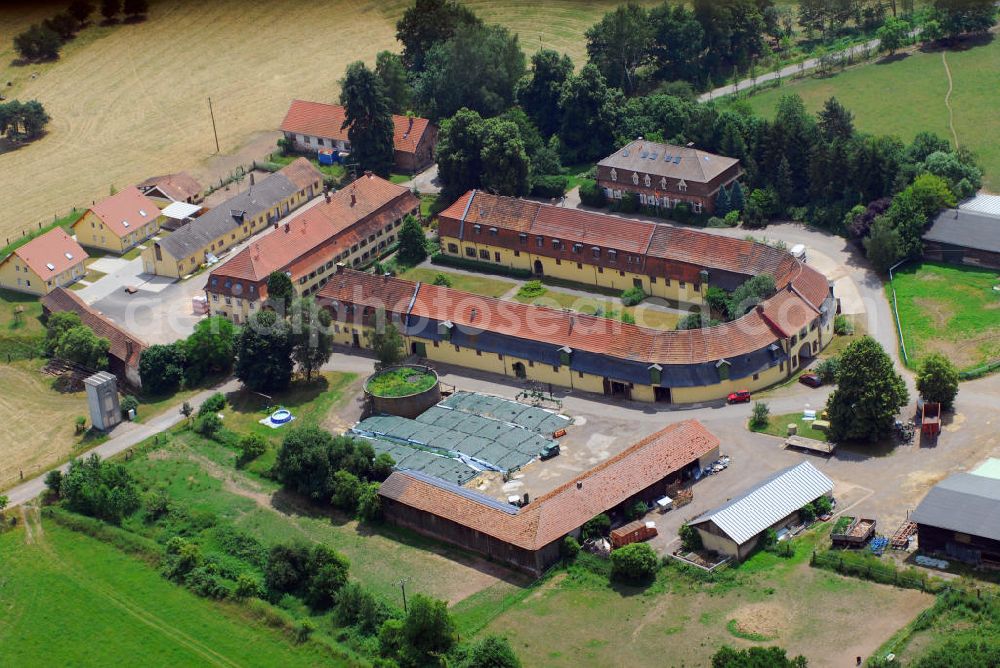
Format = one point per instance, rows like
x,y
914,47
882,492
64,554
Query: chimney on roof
x,y
354,198
340,268
385,277
128,349
526,499
579,484
368,173
326,196
472,315
572,320
287,228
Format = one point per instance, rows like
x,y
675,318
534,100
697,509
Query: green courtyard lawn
x,y
601,305
336,171
777,425
906,96
69,599
949,309
27,323
476,284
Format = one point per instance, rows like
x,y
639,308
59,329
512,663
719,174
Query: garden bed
x,y
401,382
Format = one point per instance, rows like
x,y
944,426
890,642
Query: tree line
x,y
43,41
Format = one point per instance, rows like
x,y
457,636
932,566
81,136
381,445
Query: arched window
x,y
614,174
646,180
635,178
663,182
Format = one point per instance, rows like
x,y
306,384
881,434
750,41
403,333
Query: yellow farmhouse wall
x,y
17,276
91,231
575,270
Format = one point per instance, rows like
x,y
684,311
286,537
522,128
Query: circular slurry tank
x,y
406,390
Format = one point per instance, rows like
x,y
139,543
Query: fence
x,y
26,234
861,565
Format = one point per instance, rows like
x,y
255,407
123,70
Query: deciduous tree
x,y
37,43
937,380
80,345
620,43
412,242
869,393
392,74
430,22
590,112
161,368
264,353
539,90
312,341
211,348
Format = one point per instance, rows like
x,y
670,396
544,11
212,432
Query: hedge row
x,y
868,567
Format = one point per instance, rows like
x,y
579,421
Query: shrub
x,y
637,510
682,213
550,186
592,195
629,203
304,629
101,489
843,326
768,539
356,606
251,447
827,369
247,586
531,289
759,415
636,562
633,296
53,481
208,425
213,404
81,424
346,490
129,403
823,505
690,538
442,280
732,219
807,513
369,503
937,380
597,527
569,548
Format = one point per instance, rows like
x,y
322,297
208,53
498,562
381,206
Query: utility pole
x,y
214,131
402,586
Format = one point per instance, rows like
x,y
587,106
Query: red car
x,y
810,379
740,397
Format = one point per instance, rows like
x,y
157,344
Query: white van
x,y
799,252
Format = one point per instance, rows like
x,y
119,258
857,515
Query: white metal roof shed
x,y
768,502
180,210
982,203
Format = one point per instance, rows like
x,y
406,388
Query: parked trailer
x,y
930,419
857,533
633,532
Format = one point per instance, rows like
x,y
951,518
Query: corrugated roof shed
x,y
966,503
969,229
982,203
768,502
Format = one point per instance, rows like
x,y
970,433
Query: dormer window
x,y
663,182
477,228
646,180
597,252
612,255
614,174
635,178
523,238
540,241
556,244
577,248
682,186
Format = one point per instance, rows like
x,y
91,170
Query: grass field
x,y
951,310
39,427
130,101
578,619
69,599
907,96
478,285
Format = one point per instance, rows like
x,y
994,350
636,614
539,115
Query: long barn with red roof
x,y
590,353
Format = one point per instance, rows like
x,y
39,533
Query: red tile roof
x,y
178,187
302,173
369,203
124,345
319,119
54,249
566,508
557,327
653,240
126,211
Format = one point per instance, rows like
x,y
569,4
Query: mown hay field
x,y
130,101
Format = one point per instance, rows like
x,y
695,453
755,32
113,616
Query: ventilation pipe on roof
x,y
385,277
354,199
472,315
526,499
326,196
579,484
287,228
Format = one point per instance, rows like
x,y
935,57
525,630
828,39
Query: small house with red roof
x,y
118,223
312,126
46,262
